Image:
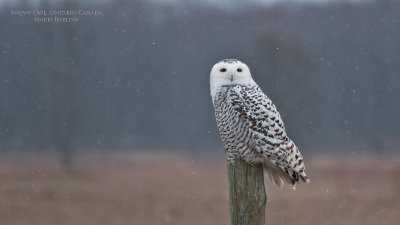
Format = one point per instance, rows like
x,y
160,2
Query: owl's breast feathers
x,y
252,128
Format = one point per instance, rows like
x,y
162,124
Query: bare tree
x,y
293,79
60,65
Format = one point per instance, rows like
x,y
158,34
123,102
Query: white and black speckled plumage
x,y
251,127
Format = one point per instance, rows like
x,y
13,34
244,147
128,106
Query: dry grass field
x,y
156,189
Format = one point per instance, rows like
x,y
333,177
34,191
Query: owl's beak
x,y
231,78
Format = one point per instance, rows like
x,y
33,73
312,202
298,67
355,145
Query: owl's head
x,y
229,72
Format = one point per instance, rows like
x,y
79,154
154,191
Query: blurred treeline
x,y
137,77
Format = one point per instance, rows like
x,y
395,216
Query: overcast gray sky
x,y
217,3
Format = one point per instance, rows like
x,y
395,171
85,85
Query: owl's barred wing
x,y
282,158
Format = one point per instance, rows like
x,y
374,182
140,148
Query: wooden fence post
x,y
247,196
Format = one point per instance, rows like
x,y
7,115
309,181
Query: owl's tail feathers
x,y
304,177
280,177
277,175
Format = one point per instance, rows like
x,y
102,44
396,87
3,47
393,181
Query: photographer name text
x,y
57,16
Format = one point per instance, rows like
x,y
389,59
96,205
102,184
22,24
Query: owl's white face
x,y
229,72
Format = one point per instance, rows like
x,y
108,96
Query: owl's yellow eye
x,y
223,70
239,70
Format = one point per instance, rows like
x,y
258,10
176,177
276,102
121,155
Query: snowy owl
x,y
250,126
